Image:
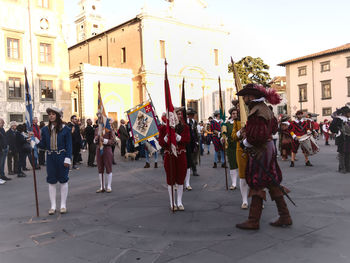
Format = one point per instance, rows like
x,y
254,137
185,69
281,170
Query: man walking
x,y
123,136
12,156
89,136
76,141
3,153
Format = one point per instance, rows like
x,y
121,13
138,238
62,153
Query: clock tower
x,y
89,22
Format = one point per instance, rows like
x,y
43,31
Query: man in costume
x,y
298,128
240,155
216,129
326,131
257,140
56,139
175,166
341,127
104,157
192,149
89,136
285,139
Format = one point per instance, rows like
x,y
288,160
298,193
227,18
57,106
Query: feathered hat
x,y
260,91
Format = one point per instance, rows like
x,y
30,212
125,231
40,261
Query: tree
x,y
252,70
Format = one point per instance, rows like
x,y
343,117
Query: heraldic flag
x,y
103,121
171,115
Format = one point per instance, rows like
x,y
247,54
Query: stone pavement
x,y
134,223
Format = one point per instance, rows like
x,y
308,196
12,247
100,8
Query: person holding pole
x,y
216,128
262,170
56,139
175,165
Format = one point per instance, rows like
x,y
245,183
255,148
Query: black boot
x,y
155,165
308,163
147,165
291,164
215,165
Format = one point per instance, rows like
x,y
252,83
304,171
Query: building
x,y
180,33
279,84
319,82
34,41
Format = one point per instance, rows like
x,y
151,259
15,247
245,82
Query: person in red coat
x,y
258,143
326,131
175,166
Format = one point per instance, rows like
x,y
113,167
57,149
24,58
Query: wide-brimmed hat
x,y
299,112
54,109
259,91
12,123
191,111
217,112
285,118
325,120
231,110
344,110
177,109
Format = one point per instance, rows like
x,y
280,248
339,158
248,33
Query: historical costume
x,y
56,139
341,127
298,128
326,131
216,129
175,166
104,157
192,149
241,159
208,134
285,139
258,132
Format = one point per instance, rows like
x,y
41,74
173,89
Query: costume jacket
x,y
175,166
260,126
231,145
341,127
299,127
216,126
241,156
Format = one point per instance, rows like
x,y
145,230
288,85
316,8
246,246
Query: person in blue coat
x,y
56,139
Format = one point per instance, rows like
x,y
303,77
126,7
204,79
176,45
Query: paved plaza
x,y
134,223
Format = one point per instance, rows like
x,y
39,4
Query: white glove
x,y
178,137
166,138
238,133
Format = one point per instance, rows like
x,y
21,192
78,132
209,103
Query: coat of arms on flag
x,y
143,122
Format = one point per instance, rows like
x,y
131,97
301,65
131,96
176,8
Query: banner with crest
x,y
143,122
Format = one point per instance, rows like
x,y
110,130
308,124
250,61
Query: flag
x,y
171,115
29,105
103,121
222,110
183,99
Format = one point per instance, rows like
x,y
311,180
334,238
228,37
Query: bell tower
x,y
89,22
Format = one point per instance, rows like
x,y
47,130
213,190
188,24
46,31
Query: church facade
x,y
179,33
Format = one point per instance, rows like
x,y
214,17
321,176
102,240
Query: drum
x,y
308,144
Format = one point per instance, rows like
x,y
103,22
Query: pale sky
x,y
275,30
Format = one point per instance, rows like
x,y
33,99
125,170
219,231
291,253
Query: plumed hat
x,y
231,110
260,91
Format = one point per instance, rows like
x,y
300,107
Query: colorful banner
x,y
143,122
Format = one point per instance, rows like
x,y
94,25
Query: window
x,y
13,48
348,62
100,61
162,49
45,118
325,66
14,88
17,117
280,109
302,71
326,89
75,104
348,78
216,57
46,88
302,92
43,3
327,111
123,55
45,53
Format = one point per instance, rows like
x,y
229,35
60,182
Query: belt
x,y
55,151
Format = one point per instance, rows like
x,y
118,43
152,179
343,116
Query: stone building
x,y
279,84
319,82
32,37
182,33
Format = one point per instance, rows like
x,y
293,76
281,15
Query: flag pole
x,y
35,186
224,141
170,154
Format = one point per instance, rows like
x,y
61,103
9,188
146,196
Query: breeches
x,y
56,171
175,168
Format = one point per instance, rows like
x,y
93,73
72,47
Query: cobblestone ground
x,y
134,223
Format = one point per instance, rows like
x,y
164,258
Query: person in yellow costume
x,y
241,158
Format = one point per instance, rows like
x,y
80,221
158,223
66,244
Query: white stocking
x,y
180,190
64,194
109,178
233,174
244,190
104,182
171,195
52,194
187,179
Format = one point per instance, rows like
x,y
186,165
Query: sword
x,y
273,179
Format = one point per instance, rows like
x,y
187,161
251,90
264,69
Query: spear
x,y
222,116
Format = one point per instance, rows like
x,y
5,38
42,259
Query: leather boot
x,y
254,214
284,219
215,165
155,165
147,165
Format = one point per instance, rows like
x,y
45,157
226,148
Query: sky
x,y
275,30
